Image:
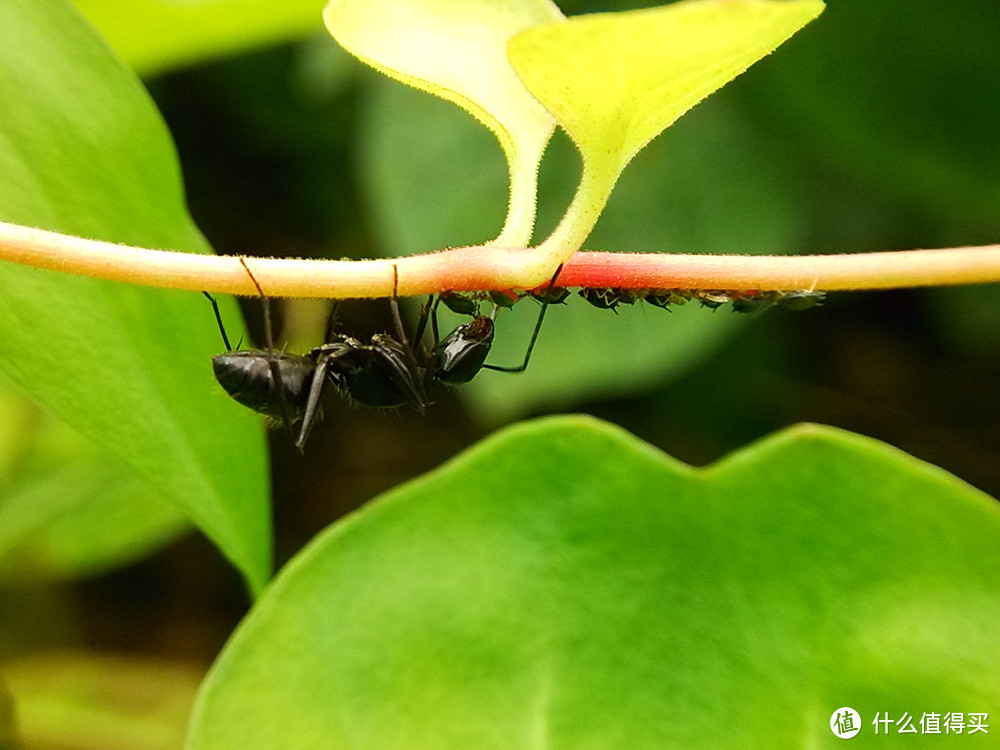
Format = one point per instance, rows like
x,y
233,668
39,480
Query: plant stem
x,y
523,163
495,268
578,222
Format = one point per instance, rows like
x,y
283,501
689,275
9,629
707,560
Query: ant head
x,y
462,352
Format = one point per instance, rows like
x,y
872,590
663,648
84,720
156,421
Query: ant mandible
x,y
387,372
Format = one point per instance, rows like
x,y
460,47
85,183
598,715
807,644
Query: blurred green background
x,y
875,128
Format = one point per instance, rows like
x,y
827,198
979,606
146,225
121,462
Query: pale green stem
x,y
459,268
499,268
523,201
578,222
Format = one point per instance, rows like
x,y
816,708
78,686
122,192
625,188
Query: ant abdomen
x,y
247,377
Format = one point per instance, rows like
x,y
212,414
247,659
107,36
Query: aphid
x,y
504,299
460,303
551,295
608,299
712,299
665,298
388,371
802,299
754,301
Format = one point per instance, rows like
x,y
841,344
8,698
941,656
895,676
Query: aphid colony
x,y
742,301
395,370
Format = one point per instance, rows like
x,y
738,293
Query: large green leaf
x,y
457,49
84,152
67,508
156,35
564,585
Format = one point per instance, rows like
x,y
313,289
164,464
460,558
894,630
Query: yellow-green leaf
x,y
614,81
457,49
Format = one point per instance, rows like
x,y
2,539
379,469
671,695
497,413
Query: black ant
x,y
389,371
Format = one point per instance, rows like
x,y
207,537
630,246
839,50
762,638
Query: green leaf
x,y
565,585
614,81
414,155
81,519
74,700
856,98
85,152
66,508
154,36
456,49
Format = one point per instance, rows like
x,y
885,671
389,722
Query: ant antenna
x,y
218,319
428,311
538,326
331,321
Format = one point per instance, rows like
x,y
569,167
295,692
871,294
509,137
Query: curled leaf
x,y
614,81
457,49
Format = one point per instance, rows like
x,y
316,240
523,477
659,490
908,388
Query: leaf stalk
x,y
495,268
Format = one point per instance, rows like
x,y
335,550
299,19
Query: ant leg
x,y
420,388
218,319
435,335
430,369
269,340
312,405
397,319
538,326
425,311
